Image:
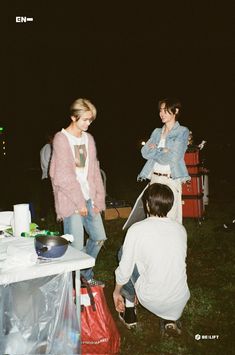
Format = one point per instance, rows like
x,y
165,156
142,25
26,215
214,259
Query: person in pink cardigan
x,y
77,183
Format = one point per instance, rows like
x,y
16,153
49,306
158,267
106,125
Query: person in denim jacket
x,y
164,152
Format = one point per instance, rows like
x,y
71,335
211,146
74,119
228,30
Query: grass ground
x,y
210,269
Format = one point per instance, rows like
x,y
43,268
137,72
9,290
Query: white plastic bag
x,y
39,317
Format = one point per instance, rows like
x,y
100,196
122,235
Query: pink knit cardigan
x,y
67,190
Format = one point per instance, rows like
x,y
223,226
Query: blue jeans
x,y
128,290
93,225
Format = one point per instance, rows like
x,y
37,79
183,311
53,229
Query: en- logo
x,y
23,19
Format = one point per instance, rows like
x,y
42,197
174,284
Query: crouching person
x,y
152,265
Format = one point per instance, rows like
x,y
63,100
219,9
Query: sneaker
x,y
93,282
128,317
170,328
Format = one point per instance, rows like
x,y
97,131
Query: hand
x,y
152,145
118,302
83,211
136,301
96,210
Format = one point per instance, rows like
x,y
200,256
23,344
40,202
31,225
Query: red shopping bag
x,y
99,334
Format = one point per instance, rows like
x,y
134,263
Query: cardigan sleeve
x,y
95,180
100,191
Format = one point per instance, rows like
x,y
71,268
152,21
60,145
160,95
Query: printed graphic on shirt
x,y
80,155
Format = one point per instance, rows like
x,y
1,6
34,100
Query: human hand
x,y
118,302
136,301
152,145
96,210
83,211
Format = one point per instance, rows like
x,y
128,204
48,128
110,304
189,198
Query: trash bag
x,y
38,316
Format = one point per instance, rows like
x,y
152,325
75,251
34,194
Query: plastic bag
x,y
38,316
99,334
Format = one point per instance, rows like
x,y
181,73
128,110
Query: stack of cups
x,y
22,219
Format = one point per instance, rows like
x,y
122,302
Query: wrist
x,y
117,289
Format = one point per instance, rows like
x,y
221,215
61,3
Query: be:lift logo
x,y
206,337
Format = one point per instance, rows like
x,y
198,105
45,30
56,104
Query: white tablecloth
x,y
70,261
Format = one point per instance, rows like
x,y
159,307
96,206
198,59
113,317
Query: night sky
x,y
124,58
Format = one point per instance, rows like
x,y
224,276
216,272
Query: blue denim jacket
x,y
176,142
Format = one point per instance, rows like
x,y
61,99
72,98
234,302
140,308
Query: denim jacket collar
x,y
176,125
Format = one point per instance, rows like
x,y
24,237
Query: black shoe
x,y
128,317
170,328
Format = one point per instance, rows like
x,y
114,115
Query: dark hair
x,y
171,104
158,199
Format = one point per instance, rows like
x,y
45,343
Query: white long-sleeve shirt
x,y
158,247
45,156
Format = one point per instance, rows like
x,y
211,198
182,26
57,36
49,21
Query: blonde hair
x,y
80,106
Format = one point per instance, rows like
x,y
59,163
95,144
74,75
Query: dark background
x,y
124,57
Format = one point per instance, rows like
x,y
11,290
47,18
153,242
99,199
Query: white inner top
x,y
159,168
79,146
